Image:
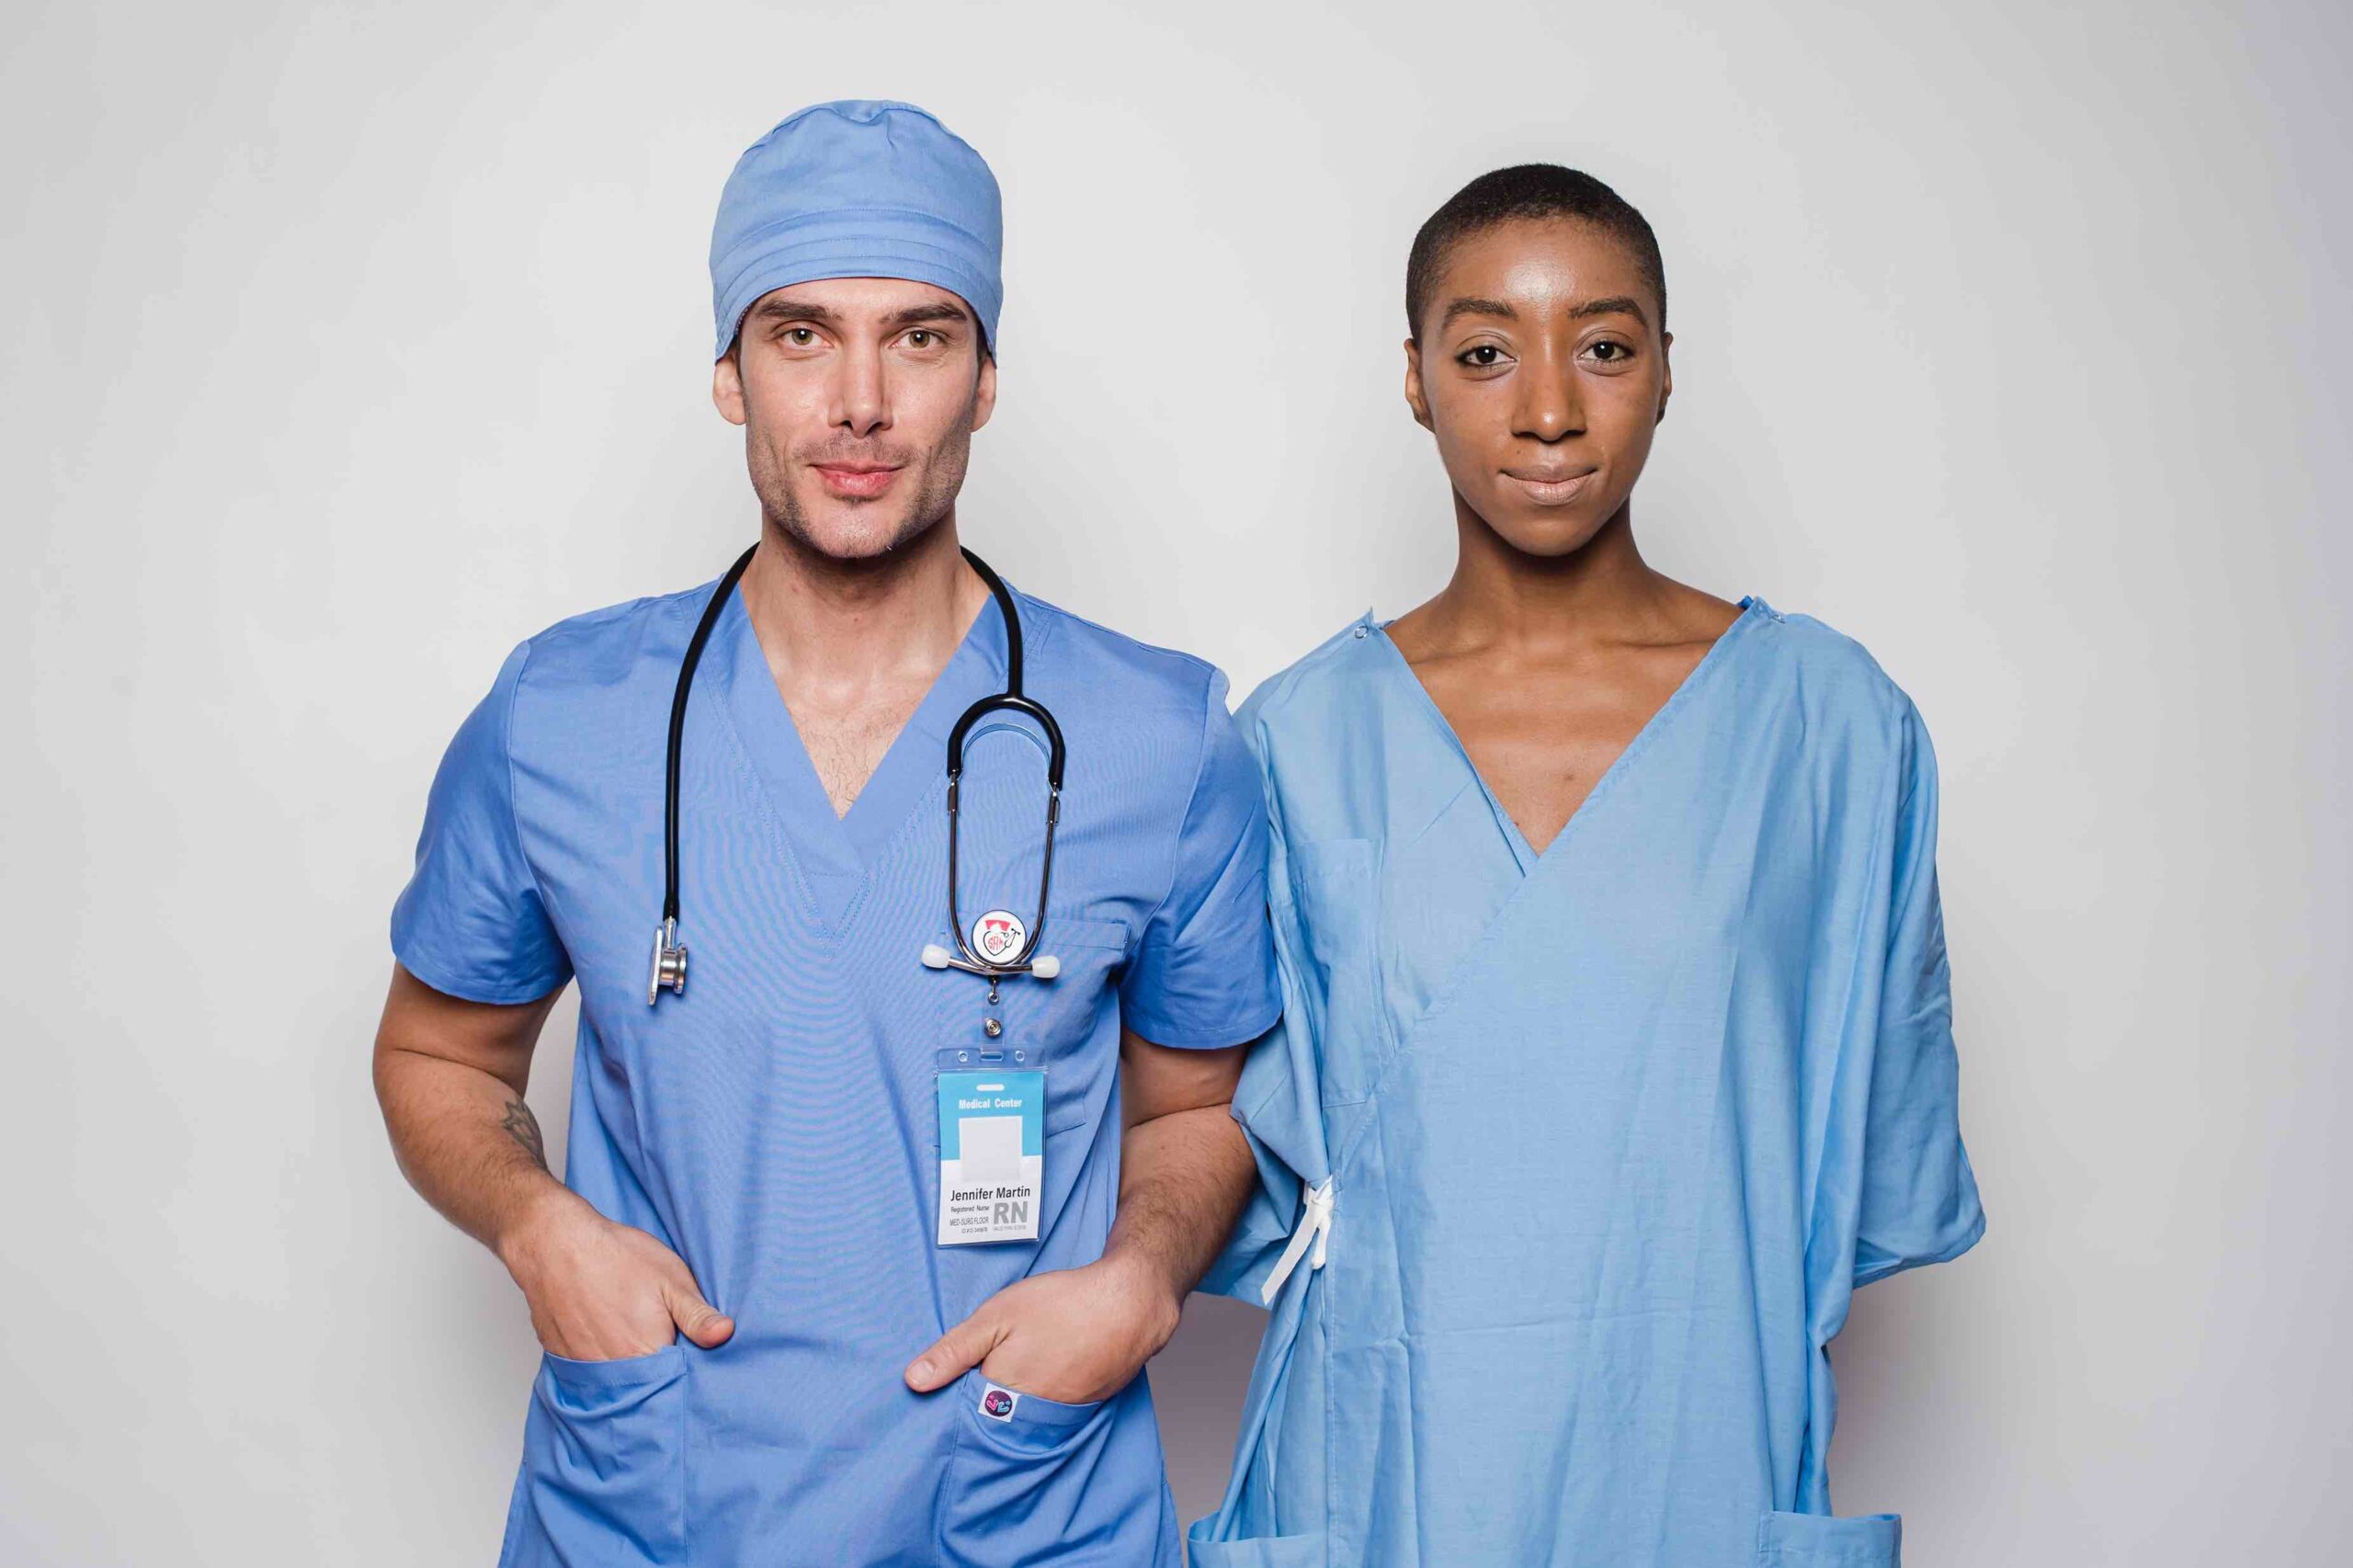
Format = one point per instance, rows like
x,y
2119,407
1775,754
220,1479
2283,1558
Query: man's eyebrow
x,y
938,310
792,310
1614,305
1473,306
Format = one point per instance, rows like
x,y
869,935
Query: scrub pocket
x,y
1818,1540
1018,1488
1063,1024
1053,1019
603,1464
1264,1551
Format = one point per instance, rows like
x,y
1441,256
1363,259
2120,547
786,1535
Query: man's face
x,y
859,397
1541,370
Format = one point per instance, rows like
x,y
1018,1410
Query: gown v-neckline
x,y
1526,855
837,852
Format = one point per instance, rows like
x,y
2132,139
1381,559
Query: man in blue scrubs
x,y
771,1335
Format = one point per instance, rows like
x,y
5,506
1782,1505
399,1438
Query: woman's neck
x,y
1500,596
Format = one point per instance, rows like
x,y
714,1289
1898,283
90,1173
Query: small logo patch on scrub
x,y
997,1404
998,935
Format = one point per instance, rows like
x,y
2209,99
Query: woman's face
x,y
1541,370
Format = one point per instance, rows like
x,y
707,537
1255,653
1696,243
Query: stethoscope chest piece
x,y
669,962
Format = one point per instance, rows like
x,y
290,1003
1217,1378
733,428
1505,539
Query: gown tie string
x,y
1314,1224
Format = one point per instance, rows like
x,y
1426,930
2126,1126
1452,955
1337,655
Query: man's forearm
x,y
1078,1334
466,1142
1184,1178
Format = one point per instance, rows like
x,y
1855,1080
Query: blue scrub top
x,y
1612,1132
776,1124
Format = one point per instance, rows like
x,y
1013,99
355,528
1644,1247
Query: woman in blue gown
x,y
1617,1045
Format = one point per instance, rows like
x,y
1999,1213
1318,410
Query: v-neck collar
x,y
1523,852
835,855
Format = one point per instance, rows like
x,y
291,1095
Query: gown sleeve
x,y
471,923
1918,1197
1279,1101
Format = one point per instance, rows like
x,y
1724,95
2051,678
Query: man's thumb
x,y
954,1353
700,1321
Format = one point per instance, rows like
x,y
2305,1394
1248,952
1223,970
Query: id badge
x,y
992,1146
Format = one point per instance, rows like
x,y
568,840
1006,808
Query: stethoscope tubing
x,y
670,956
678,729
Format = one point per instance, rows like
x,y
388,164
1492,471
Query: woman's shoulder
x,y
1330,673
1824,655
1832,679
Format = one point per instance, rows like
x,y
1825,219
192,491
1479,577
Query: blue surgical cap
x,y
858,188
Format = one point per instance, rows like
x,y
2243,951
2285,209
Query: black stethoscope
x,y
670,954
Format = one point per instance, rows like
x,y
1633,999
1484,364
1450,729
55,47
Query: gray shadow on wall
x,y
1197,1387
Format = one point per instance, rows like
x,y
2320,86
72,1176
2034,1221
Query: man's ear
x,y
727,388
1665,376
985,391
1414,399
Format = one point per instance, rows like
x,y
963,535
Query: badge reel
x,y
992,1118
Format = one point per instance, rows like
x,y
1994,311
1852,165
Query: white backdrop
x,y
347,344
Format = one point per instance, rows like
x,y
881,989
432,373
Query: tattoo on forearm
x,y
523,1127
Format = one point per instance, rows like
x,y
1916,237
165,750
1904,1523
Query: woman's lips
x,y
1551,488
864,484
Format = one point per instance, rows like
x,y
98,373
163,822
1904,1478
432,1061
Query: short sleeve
x,y
471,923
1918,1199
1204,971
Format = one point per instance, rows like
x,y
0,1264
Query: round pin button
x,y
998,935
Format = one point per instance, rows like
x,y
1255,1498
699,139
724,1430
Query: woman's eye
x,y
1610,353
1481,355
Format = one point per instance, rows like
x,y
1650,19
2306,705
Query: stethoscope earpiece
x,y
1045,966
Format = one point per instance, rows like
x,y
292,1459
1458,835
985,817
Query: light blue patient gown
x,y
777,1124
1612,1133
